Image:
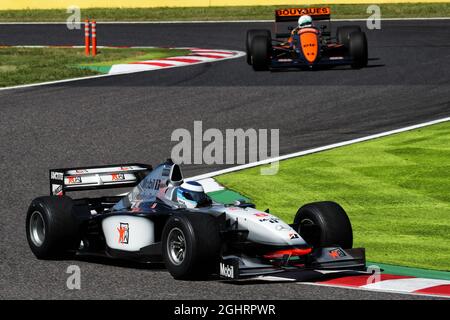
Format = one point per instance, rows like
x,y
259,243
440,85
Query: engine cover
x,y
263,227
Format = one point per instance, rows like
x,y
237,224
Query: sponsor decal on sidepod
x,y
124,233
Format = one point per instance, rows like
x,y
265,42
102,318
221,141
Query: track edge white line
x,y
210,21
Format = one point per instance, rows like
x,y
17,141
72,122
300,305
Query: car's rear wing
x,y
292,14
101,177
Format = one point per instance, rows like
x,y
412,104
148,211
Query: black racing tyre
x,y
191,246
358,50
248,41
261,47
51,228
324,224
343,34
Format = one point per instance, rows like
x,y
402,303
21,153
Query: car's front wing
x,y
328,259
301,63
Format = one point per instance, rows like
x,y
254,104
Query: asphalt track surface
x,y
130,118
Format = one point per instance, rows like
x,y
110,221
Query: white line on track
x,y
219,21
79,47
318,149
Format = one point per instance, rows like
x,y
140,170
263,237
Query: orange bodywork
x,y
310,44
290,252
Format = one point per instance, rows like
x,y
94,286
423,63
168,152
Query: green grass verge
x,y
31,65
395,190
391,10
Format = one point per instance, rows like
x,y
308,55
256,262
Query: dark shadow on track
x,y
121,263
297,276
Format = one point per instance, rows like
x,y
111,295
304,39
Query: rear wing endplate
x,y
102,177
292,14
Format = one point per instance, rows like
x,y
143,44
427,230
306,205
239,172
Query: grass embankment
x,y
396,191
389,10
31,65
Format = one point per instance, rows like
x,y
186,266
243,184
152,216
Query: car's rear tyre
x,y
51,228
358,50
261,47
251,34
324,224
343,34
191,246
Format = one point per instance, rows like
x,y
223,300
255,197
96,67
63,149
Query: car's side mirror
x,y
243,204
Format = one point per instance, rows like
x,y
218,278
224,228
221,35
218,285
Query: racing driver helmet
x,y
192,195
305,21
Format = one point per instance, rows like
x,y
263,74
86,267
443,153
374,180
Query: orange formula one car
x,y
307,45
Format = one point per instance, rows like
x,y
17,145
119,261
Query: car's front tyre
x,y
324,224
191,245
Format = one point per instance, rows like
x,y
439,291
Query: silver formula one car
x,y
169,220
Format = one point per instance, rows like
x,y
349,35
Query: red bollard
x,y
94,38
86,37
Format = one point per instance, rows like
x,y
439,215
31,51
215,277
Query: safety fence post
x,y
94,37
86,37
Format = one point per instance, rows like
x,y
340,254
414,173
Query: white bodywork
x,y
263,227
